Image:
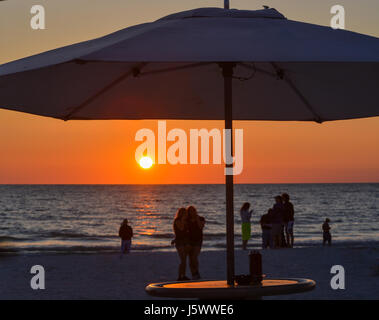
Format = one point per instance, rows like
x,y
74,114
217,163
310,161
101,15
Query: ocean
x,y
86,218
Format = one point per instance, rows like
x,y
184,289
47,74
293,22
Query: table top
x,y
219,289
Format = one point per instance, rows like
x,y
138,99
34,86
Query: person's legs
x,y
276,232
128,246
270,239
286,228
194,261
277,241
123,246
182,253
246,234
283,243
264,245
265,238
289,232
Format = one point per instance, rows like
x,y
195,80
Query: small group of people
x,y
277,232
277,224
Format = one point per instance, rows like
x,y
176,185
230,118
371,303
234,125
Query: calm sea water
x,y
86,218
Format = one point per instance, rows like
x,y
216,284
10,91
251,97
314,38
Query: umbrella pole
x,y
227,71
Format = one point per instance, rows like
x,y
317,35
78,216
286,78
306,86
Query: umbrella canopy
x,y
183,66
168,69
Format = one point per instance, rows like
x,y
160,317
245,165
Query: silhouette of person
x,y
126,234
289,219
277,222
195,228
245,214
327,237
181,241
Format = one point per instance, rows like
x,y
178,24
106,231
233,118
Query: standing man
x,y
126,234
289,219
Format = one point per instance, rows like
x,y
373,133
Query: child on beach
x,y
327,237
126,234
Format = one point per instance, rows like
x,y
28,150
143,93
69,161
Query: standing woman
x,y
246,224
195,227
181,241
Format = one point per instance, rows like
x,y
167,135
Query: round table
x,y
219,289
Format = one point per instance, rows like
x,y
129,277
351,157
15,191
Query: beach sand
x,y
106,276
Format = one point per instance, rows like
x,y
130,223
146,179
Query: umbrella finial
x,y
226,4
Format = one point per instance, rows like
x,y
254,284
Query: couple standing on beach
x,y
282,220
188,228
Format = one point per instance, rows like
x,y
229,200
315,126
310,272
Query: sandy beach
x,y
106,276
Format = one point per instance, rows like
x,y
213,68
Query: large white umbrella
x,y
185,65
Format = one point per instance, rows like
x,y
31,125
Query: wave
x,y
159,248
10,239
75,235
207,236
79,249
85,236
160,235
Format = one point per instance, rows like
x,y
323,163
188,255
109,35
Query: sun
x,y
146,162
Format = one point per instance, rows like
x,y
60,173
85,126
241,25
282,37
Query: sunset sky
x,y
43,150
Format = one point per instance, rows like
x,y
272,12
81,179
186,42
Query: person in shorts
x,y
245,214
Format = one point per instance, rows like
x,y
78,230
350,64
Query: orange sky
x,y
43,150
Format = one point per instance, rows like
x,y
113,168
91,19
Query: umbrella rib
x,y
187,66
245,65
132,71
281,75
